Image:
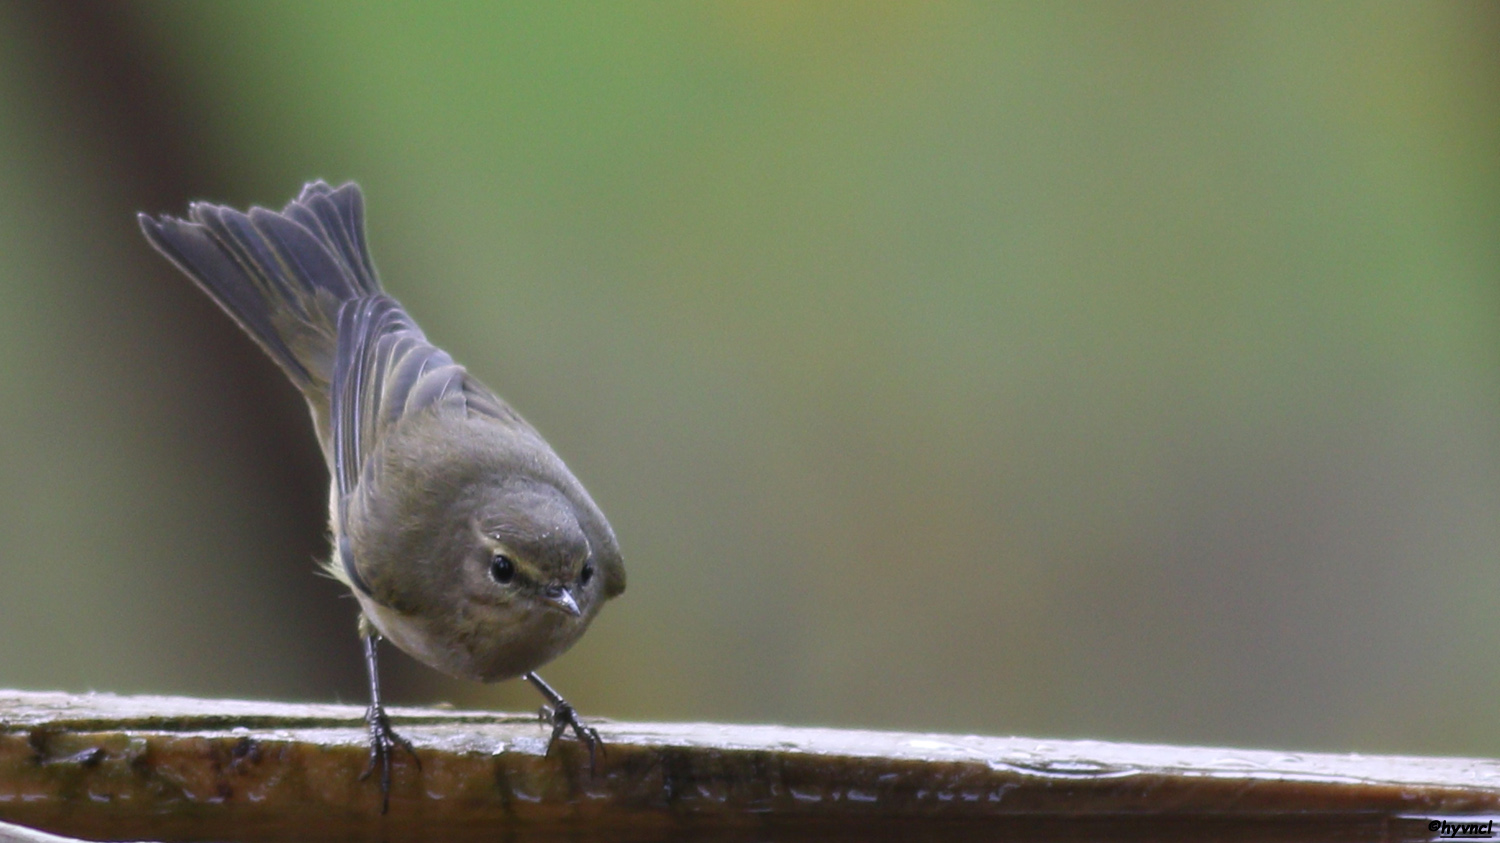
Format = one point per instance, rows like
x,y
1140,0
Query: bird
x,y
466,540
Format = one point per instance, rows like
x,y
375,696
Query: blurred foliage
x,y
1113,370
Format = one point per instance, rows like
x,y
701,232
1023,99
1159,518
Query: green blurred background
x,y
1124,370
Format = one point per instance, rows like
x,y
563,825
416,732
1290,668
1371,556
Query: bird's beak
x,y
562,600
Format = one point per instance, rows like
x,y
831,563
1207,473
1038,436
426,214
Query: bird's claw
x,y
383,744
564,717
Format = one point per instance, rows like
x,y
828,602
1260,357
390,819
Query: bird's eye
x,y
586,574
502,569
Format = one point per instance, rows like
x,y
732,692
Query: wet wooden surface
x,y
102,767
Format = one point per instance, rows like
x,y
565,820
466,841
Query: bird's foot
x,y
383,744
563,717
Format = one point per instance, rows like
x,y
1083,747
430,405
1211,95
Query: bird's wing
x,y
384,369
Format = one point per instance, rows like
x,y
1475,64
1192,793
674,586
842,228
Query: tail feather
x,y
338,216
282,276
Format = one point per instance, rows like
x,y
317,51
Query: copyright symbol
x,y
1434,825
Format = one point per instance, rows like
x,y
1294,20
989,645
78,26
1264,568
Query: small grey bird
x,y
465,539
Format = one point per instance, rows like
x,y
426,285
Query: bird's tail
x,y
282,276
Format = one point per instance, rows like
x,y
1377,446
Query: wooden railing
x,y
99,766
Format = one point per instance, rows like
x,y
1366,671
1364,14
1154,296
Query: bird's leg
x,y
563,716
383,739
